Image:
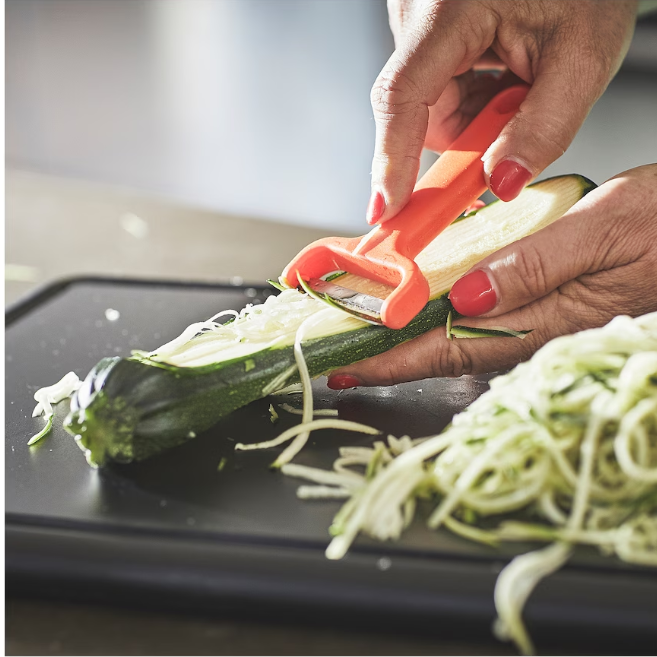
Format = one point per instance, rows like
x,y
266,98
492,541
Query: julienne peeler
x,y
386,254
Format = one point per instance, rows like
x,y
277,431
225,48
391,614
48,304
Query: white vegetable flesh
x,y
55,393
272,324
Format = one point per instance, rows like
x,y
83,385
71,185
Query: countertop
x,y
60,227
57,227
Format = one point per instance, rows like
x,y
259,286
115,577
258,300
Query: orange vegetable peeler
x,y
386,254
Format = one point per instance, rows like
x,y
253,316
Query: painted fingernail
x,y
375,207
473,294
342,381
508,179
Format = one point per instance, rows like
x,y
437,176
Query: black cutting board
x,y
175,531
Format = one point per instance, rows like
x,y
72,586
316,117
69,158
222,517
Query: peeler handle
x,y
455,181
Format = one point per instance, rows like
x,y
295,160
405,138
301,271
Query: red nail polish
x,y
508,179
473,294
342,381
375,208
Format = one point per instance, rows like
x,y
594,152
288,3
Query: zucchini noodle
x,y
322,492
300,429
46,397
302,438
561,450
326,412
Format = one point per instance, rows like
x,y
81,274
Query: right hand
x,y
428,91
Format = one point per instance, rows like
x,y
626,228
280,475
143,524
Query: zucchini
x,y
129,409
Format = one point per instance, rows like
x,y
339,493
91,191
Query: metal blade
x,y
362,305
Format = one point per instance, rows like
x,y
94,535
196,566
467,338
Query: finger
x,y
590,237
432,354
555,108
401,98
412,81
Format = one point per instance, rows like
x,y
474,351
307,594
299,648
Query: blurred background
x,y
255,107
177,111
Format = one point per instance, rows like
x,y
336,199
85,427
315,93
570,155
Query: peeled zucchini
x,y
129,409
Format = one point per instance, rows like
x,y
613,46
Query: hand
x,y
428,91
598,261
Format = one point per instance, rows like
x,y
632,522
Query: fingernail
x,y
473,294
342,381
375,207
508,179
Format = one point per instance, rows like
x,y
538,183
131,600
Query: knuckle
x,y
547,319
394,93
591,64
386,158
529,272
535,340
624,194
600,71
391,373
477,27
635,197
594,300
627,218
389,369
551,136
451,360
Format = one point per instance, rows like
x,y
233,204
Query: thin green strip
x,y
43,433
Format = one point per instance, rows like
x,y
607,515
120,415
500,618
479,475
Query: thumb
x,y
532,267
546,124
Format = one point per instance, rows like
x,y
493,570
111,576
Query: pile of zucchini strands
x,y
570,436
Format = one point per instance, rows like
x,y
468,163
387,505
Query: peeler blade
x,y
364,306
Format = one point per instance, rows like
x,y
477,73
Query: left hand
x,y
598,261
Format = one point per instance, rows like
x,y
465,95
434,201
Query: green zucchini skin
x,y
128,410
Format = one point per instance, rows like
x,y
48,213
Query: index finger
x,y
412,81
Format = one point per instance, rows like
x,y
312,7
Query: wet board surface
x,y
174,530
